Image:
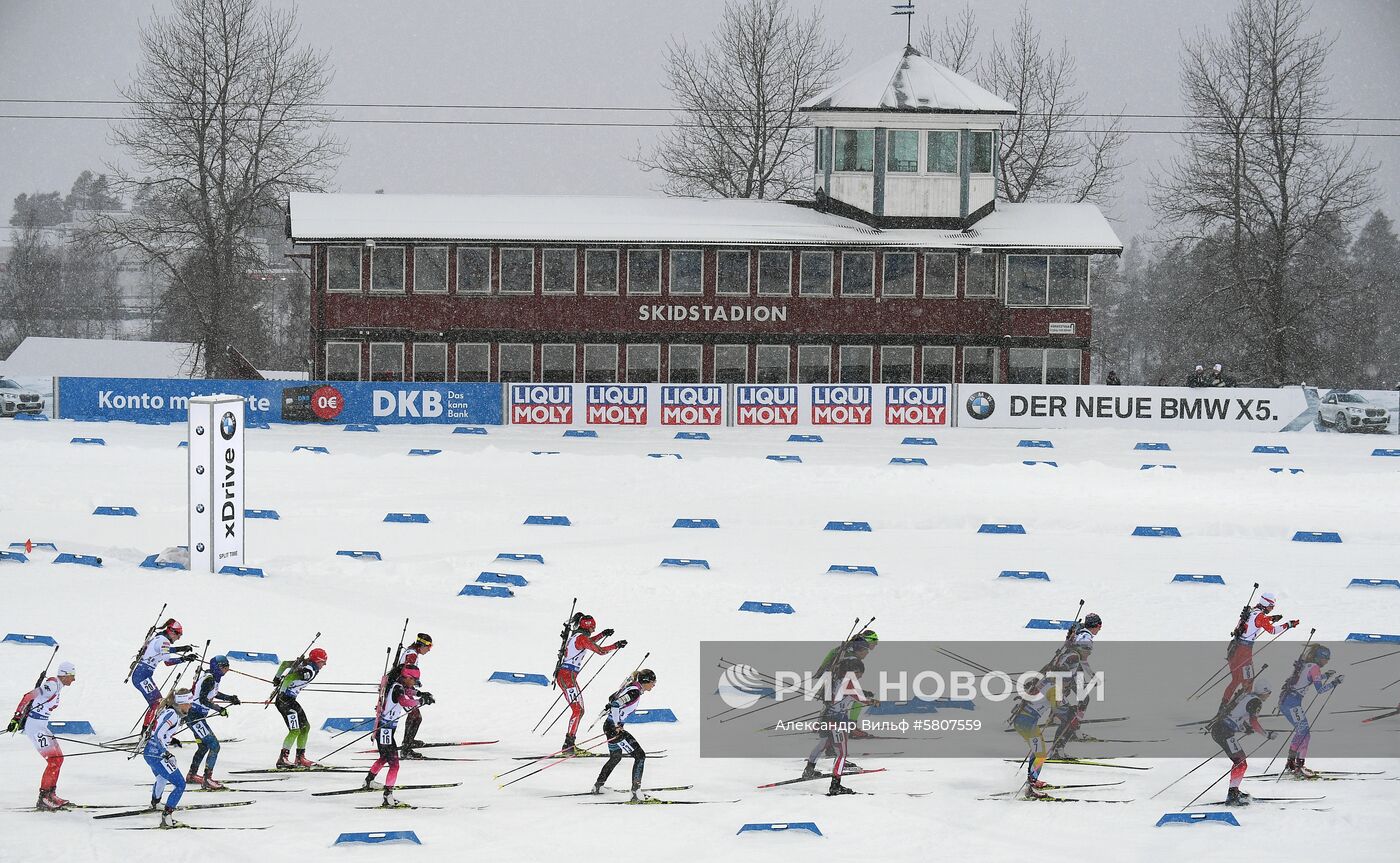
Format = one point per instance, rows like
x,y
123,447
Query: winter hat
x,y
66,669
1217,367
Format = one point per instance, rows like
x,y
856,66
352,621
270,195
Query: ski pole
x,y
149,632
1381,656
554,754
1222,678
587,659
1307,719
384,680
1244,615
351,743
1395,712
582,688
1218,778
1301,653
89,743
976,666
1075,626
629,677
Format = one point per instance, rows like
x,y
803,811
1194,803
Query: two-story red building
x,y
904,269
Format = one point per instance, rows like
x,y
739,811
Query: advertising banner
x,y
168,400
842,404
1016,406
655,405
216,480
1353,411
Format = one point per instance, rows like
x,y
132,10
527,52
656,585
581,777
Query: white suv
x,y
15,399
1347,412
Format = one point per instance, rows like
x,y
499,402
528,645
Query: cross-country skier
x,y
1029,716
291,678
836,722
161,760
1240,654
1073,658
160,648
620,741
1238,718
577,644
1307,672
858,647
409,657
401,699
206,694
32,715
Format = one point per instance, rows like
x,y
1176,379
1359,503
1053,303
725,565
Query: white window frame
x,y
908,351
758,364
446,254
826,349
457,357
670,274
714,370
952,283
529,365
403,270
957,155
841,363
788,253
359,270
924,363
501,270
655,348
830,274
835,133
359,359
600,346
913,275
996,276
616,277
996,363
373,345
918,154
748,272
485,289
1078,365
573,362
671,361
871,292
647,251
991,168
573,272
430,345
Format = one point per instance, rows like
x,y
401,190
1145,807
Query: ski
x,y
1053,799
1320,777
224,781
622,791
396,788
821,776
149,811
416,745
179,826
1083,739
1080,761
201,789
1253,799
399,805
660,753
657,801
316,769
1061,787
407,758
67,807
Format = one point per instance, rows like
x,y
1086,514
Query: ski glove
x,y
620,644
190,658
426,698
233,699
607,633
1292,624
181,648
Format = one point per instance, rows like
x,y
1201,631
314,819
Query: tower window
x,y
982,146
943,152
903,152
855,149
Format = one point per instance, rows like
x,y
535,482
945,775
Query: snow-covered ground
x,y
937,581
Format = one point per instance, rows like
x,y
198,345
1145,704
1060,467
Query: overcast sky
x,y
609,53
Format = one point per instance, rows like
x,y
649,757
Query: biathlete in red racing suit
x,y
1240,654
579,642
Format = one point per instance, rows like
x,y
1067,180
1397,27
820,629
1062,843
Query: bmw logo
x,y
228,425
980,405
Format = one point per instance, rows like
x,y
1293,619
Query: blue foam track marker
x,y
499,591
309,448
501,578
1155,446
857,526
361,427
270,514
242,571
1291,471
348,723
520,556
1266,449
1002,528
1148,530
1034,463
33,418
920,441
853,569
767,607
544,452
689,562
1375,582
1162,466
381,838
655,714
789,459
1048,623
1198,818
70,726
184,444
697,523
424,451
554,520
360,555
1373,638
25,639
1025,574
782,827
14,556
684,435
153,561
116,510
580,433
804,438
79,559
407,517
49,545
1035,444
469,430
518,677
1317,536
89,441
253,656
1386,453
1189,578
909,461
674,455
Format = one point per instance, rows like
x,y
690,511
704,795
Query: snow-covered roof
x,y
641,220
906,80
42,356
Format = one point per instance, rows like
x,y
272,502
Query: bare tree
x,y
740,134
1259,189
226,119
1050,150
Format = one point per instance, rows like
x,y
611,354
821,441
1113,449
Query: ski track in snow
x,y
937,580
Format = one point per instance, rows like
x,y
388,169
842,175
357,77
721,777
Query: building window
x,y
1026,280
1044,366
896,365
687,272
902,147
685,364
855,364
473,362
342,361
981,276
940,275
430,270
386,361
517,271
857,274
1026,366
643,364
600,364
386,269
343,269
1069,280
731,364
775,274
937,365
855,149
814,364
473,271
772,364
644,271
733,273
942,152
982,147
823,148
1062,366
557,364
899,275
816,274
517,364
430,363
559,270
979,365
600,271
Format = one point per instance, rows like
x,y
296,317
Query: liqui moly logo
x,y
542,404
692,404
842,404
616,404
763,405
925,405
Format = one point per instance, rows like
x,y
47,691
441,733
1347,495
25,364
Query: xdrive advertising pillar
x,y
215,482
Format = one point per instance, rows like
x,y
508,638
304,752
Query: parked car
x,y
1348,412
15,399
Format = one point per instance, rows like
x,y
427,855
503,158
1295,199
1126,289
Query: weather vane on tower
x,y
907,10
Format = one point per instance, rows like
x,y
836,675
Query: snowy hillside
x,y
937,581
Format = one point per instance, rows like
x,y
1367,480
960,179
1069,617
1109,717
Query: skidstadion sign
x,y
677,312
